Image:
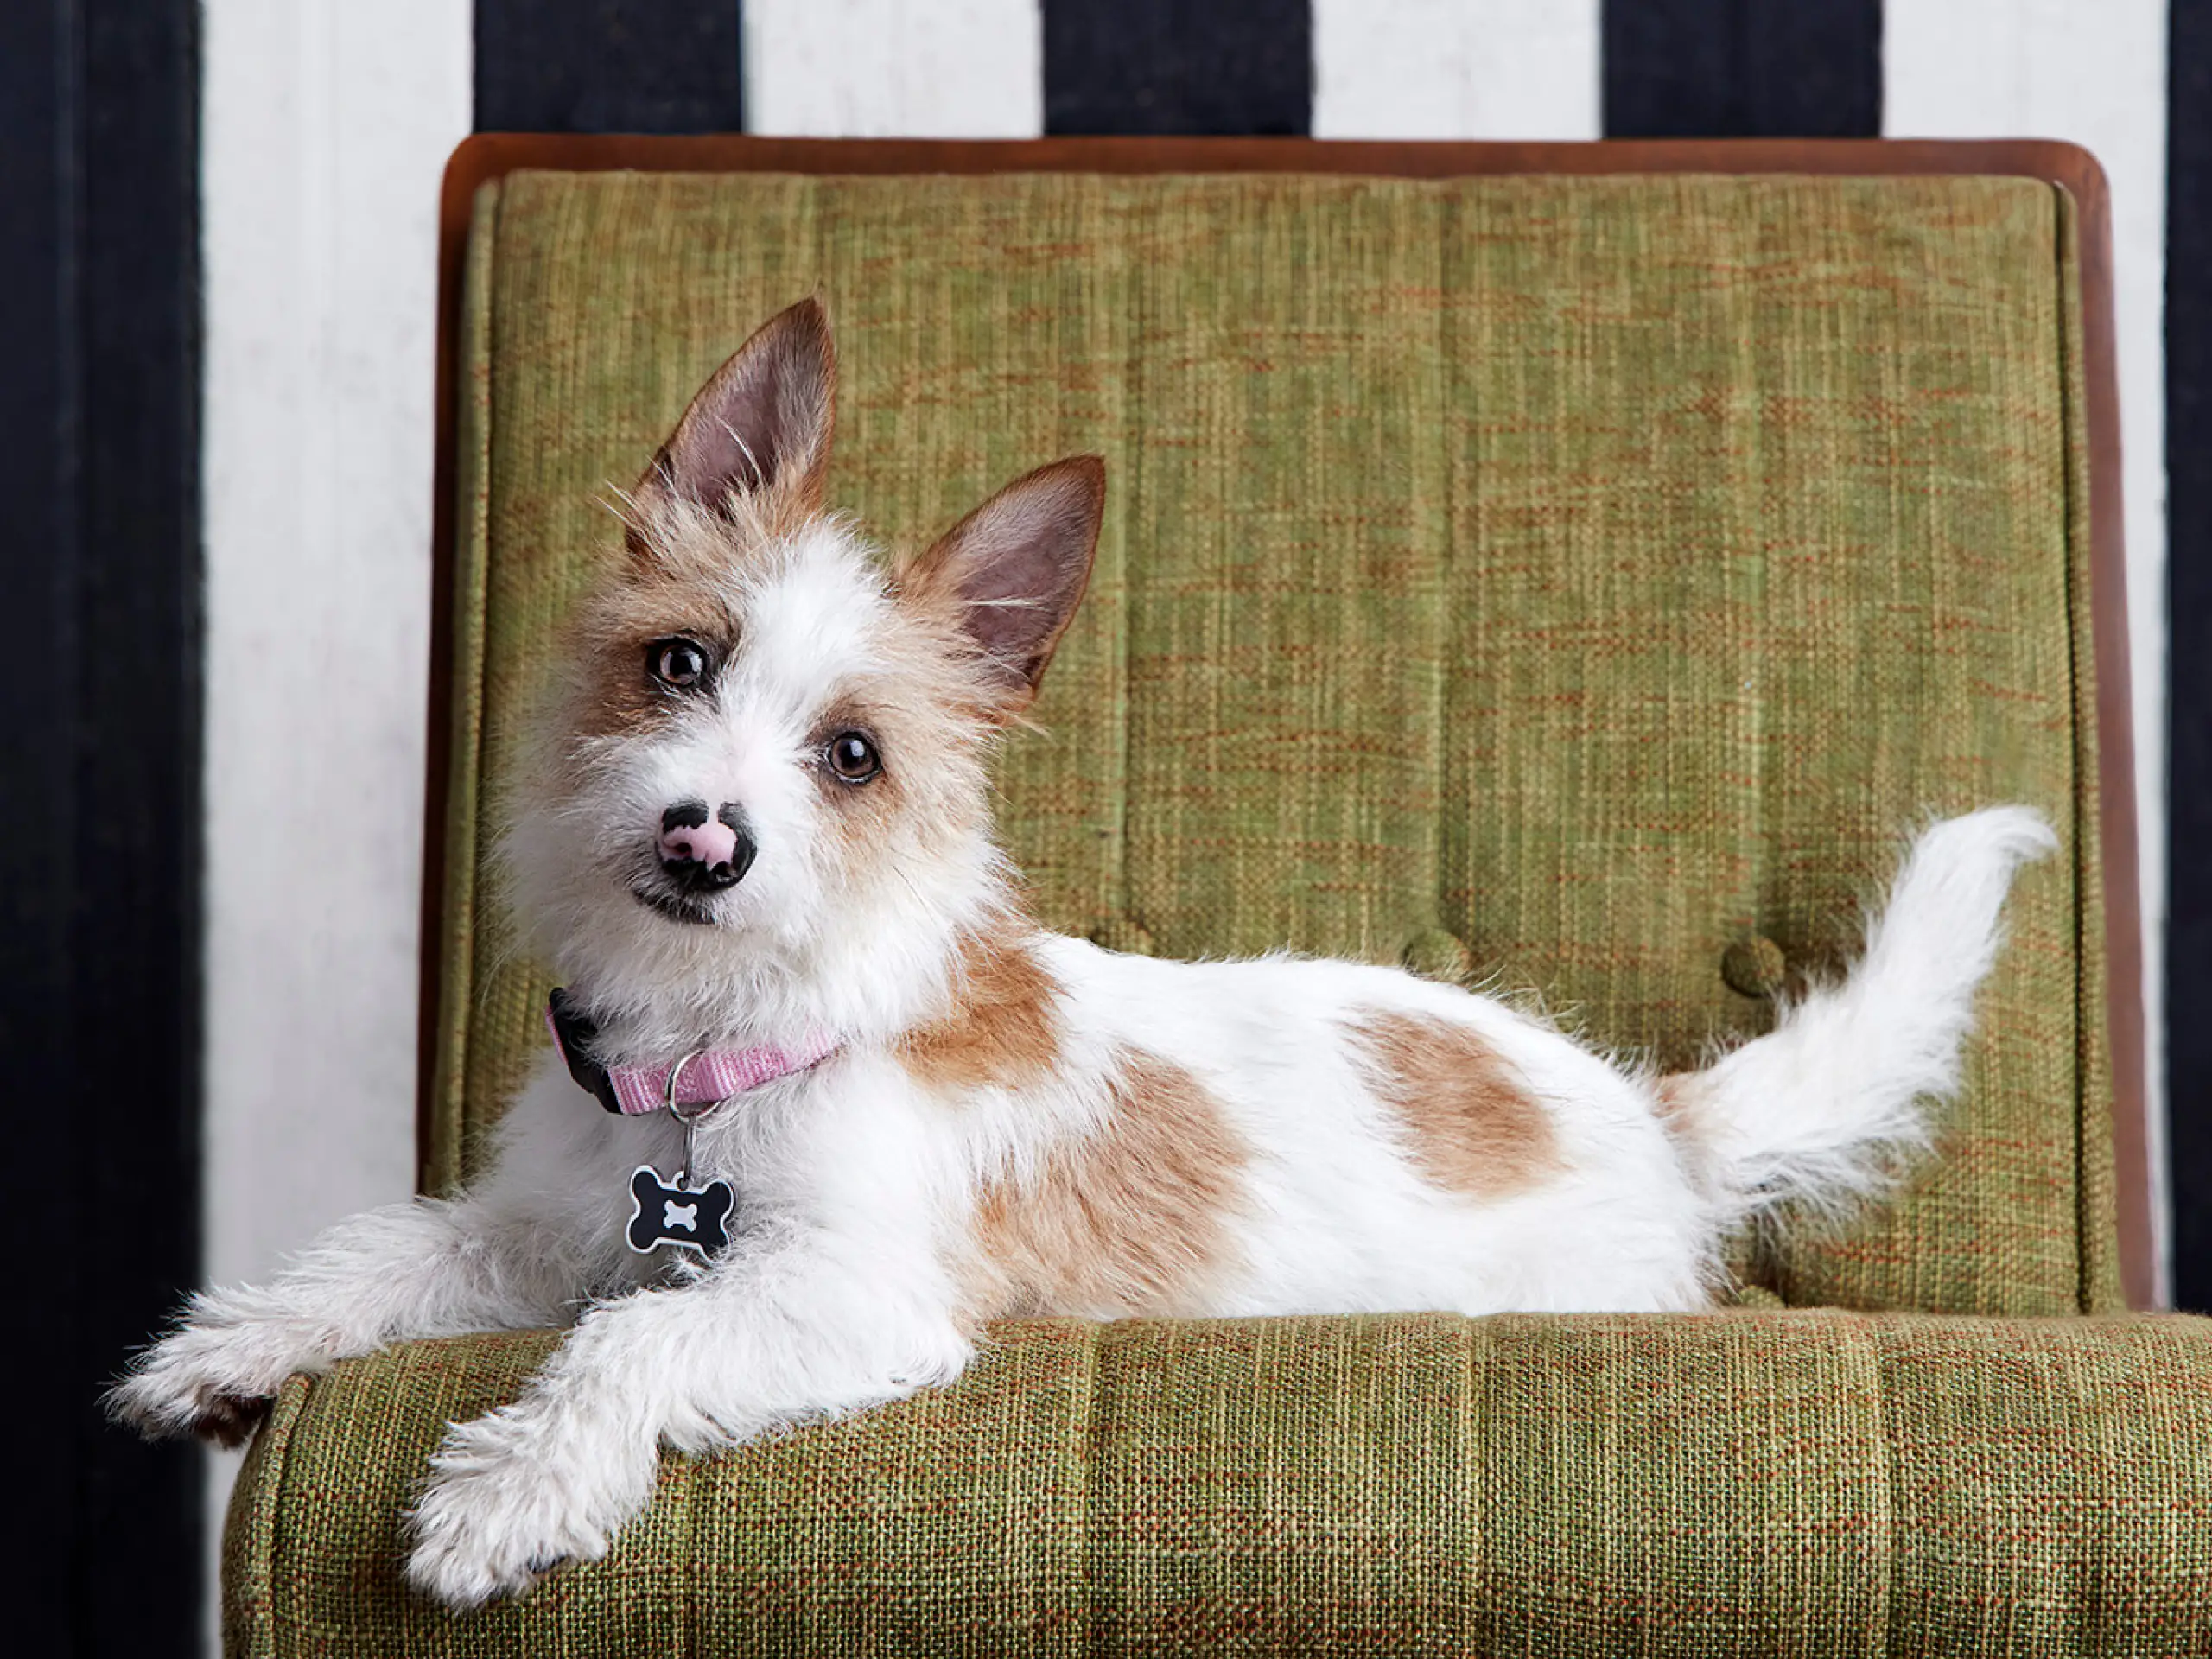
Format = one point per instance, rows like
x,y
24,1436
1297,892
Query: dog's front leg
x,y
419,1269
534,1239
764,1338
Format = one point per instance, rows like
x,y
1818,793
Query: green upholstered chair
x,y
1565,569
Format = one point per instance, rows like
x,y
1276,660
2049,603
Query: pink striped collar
x,y
714,1074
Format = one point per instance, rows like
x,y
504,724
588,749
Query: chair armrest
x,y
1752,1482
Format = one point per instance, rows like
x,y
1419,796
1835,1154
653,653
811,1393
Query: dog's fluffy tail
x,y
1823,1110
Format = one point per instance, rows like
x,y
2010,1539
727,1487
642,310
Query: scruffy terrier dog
x,y
754,837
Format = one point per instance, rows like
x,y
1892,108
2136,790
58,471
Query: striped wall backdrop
x,y
219,453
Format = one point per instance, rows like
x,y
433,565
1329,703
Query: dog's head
x,y
766,761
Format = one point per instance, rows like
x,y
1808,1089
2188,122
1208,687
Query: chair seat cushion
x,y
1801,1482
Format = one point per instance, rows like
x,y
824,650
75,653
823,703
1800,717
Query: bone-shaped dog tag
x,y
689,1219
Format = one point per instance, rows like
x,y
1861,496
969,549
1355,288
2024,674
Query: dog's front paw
x,y
497,1515
213,1381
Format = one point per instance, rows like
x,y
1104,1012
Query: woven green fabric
x,y
1566,577
1781,1484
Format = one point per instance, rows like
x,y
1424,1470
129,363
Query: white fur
x,y
1817,1110
856,1183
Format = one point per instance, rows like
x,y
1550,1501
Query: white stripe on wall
x,y
327,125
2095,74
1456,69
890,68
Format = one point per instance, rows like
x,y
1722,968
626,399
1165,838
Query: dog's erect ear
x,y
1014,569
762,423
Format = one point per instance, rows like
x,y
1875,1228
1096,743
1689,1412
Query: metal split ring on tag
x,y
689,1120
690,1218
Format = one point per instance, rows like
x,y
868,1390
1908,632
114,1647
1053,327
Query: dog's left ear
x,y
762,423
1014,569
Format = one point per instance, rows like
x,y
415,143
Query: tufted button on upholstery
x,y
1121,933
1754,1297
1754,965
1435,953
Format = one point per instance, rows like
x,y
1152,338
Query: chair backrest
x,y
1552,581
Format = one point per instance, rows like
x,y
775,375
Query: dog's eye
x,y
676,662
853,758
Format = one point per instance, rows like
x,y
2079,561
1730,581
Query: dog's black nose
x,y
705,855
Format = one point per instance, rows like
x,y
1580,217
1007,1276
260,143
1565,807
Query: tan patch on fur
x,y
614,692
1131,1221
668,532
1000,1030
1475,1127
914,703
1677,1101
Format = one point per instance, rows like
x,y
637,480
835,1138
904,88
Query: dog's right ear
x,y
761,425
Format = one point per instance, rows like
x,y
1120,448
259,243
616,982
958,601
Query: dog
x,y
754,832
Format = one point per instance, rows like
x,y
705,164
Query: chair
x,y
1567,565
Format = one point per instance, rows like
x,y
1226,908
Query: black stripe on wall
x,y
1742,68
2189,597
609,66
101,840
1190,67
